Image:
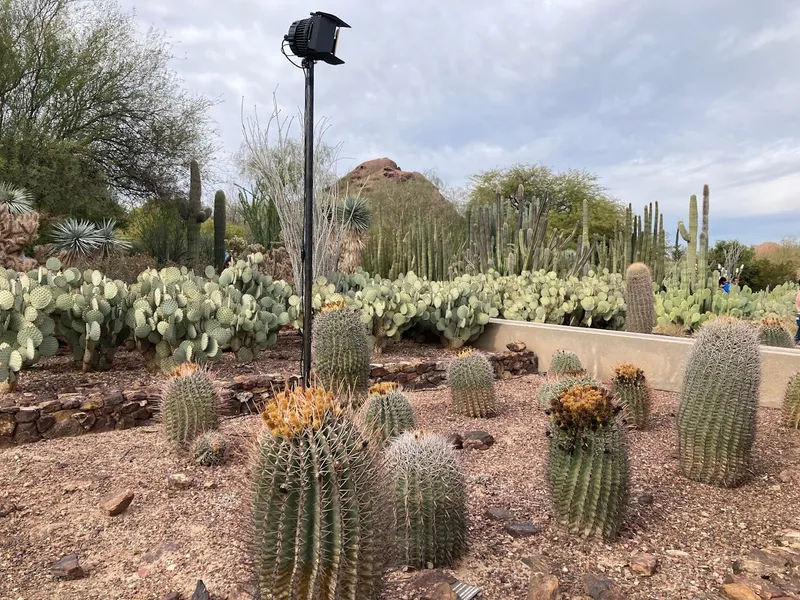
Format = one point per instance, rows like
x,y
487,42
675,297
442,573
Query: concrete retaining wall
x,y
662,358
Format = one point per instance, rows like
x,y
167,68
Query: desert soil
x,y
168,538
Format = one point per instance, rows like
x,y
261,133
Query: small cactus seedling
x,y
387,412
588,462
564,362
471,379
189,404
791,402
210,449
630,388
430,512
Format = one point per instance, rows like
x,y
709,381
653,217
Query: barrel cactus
x,y
430,512
587,470
640,302
564,362
319,509
189,404
717,414
471,379
771,332
552,387
631,390
791,402
340,350
210,449
387,412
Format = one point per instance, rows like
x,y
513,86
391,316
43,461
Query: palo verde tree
x,y
90,112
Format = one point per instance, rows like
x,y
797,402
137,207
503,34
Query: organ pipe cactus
x,y
387,412
564,362
639,299
630,388
587,470
319,509
430,512
791,402
471,379
189,404
717,414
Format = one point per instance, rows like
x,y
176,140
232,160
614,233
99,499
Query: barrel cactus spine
x,y
791,402
639,299
189,405
318,501
430,512
387,412
564,362
471,379
587,469
717,415
631,390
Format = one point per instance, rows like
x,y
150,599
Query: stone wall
x,y
75,414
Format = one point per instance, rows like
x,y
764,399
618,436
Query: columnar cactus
x,y
209,449
717,415
189,404
630,388
387,412
791,402
219,229
640,302
319,510
430,495
552,387
564,362
771,332
193,213
588,463
340,350
471,379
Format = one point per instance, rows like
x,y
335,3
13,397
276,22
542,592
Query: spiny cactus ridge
x,y
429,500
791,402
387,412
319,517
717,414
640,302
471,379
189,404
564,362
587,470
630,388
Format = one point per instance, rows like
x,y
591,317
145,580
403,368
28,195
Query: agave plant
x,y
19,200
79,239
354,216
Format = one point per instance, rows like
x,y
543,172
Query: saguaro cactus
x,y
471,379
430,512
193,213
219,229
717,415
588,463
640,310
319,510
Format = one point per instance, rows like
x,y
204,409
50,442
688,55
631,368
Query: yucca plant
x,y
80,239
354,216
18,200
110,242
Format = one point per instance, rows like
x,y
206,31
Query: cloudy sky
x,y
657,98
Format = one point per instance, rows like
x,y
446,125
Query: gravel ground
x,y
168,538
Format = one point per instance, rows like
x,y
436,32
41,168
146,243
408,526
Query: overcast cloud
x,y
657,98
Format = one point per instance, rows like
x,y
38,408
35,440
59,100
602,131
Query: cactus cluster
x,y
639,299
472,389
630,389
771,332
429,500
209,449
565,362
387,412
791,402
340,350
717,414
319,510
587,470
189,404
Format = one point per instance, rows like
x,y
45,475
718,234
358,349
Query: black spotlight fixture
x,y
313,39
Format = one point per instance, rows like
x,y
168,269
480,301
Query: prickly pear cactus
x,y
791,402
189,404
387,412
717,414
429,500
587,468
771,332
631,390
10,364
552,387
471,379
319,507
640,302
564,362
209,449
340,350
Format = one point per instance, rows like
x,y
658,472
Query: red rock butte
x,y
373,174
